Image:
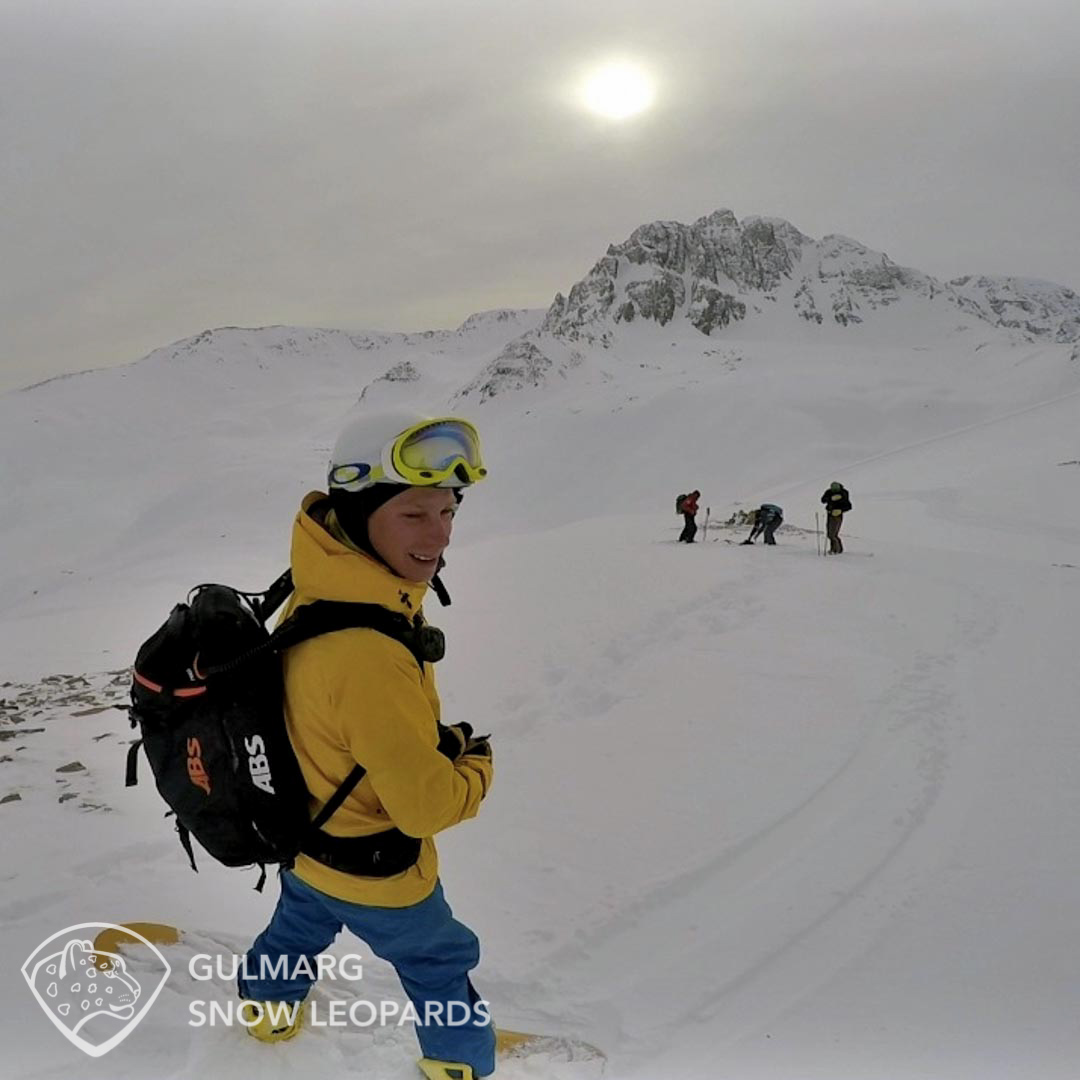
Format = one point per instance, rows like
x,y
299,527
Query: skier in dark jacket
x,y
689,508
767,519
837,503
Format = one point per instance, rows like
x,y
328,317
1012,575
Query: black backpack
x,y
207,694
678,503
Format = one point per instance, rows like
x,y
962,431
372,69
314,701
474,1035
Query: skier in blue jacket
x,y
767,519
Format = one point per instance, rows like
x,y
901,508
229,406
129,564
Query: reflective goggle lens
x,y
436,447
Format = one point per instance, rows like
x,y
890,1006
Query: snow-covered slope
x,y
758,815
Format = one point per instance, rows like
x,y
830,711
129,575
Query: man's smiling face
x,y
411,531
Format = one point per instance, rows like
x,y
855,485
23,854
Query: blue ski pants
x,y
429,949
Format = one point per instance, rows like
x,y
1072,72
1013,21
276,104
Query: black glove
x,y
454,739
478,747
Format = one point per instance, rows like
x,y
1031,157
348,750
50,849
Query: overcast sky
x,y
172,165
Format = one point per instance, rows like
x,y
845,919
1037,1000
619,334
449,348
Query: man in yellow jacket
x,y
357,696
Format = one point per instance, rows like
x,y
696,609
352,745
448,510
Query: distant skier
x,y
688,507
837,503
767,519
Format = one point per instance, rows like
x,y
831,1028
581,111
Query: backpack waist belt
x,y
380,855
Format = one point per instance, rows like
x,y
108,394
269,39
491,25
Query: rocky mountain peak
x,y
667,269
718,270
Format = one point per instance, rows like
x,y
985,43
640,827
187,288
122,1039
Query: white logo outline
x,y
73,1036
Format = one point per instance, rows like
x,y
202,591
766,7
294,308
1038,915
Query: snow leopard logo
x,y
89,994
82,984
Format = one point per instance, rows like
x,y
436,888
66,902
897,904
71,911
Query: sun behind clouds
x,y
618,90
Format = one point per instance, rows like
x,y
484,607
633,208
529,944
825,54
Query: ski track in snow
x,y
773,971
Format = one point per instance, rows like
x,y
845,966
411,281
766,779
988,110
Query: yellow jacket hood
x,y
326,567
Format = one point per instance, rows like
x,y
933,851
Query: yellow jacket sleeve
x,y
389,724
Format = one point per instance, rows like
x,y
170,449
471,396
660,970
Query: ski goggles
x,y
435,453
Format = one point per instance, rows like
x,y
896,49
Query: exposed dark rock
x,y
710,308
658,297
520,364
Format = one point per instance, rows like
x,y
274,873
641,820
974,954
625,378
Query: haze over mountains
x,y
756,279
758,815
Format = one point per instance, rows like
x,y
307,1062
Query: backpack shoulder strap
x,y
328,616
343,792
268,602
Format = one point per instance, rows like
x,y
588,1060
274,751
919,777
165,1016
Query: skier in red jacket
x,y
689,508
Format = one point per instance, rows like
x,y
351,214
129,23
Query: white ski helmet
x,y
405,448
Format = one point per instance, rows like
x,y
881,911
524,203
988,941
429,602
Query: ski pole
x,y
817,530
705,528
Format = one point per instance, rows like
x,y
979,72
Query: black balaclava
x,y
353,508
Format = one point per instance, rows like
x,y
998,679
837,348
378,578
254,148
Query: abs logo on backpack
x,y
259,763
197,773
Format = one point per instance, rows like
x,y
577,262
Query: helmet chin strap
x,y
438,588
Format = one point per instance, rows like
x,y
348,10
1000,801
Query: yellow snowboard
x,y
520,1044
155,933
